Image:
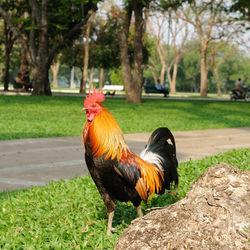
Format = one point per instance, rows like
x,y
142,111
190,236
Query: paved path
x,y
34,162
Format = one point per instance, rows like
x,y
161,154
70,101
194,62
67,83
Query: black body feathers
x,y
162,143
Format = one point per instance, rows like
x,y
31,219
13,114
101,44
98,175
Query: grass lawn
x,y
70,214
31,116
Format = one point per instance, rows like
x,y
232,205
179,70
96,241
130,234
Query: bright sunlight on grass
x,y
70,214
30,116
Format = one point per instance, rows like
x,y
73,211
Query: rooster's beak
x,y
83,109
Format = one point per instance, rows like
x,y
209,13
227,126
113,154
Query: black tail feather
x,y
162,143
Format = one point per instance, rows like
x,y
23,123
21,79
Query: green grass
x,y
70,214
31,117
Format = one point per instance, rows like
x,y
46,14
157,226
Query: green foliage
x,y
29,116
146,49
173,4
236,67
154,58
8,40
104,45
191,68
71,214
241,6
62,17
73,55
116,76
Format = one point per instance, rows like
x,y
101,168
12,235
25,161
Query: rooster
x,y
118,173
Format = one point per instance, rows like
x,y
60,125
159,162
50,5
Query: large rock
x,y
214,215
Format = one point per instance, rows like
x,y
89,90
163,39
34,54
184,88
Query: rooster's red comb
x,y
96,96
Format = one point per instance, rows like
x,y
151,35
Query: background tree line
x,y
203,49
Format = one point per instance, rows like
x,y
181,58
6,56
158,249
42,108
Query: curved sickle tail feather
x,y
161,151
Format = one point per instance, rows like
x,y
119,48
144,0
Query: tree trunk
x,y
86,62
101,76
162,52
55,69
203,85
6,70
217,78
41,67
132,81
24,68
41,79
8,41
125,62
204,70
86,56
169,77
175,70
138,51
173,84
163,71
91,86
72,77
24,64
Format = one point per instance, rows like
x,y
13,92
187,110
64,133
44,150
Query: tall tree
x,y
86,55
220,52
55,69
132,72
104,47
208,18
190,67
9,36
180,34
170,54
158,30
49,32
9,39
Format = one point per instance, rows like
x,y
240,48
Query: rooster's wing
x,y
143,176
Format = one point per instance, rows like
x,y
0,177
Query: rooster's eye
x,y
93,106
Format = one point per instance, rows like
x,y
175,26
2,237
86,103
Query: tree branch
x,y
68,35
15,30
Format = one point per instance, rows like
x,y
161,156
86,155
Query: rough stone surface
x,y
214,215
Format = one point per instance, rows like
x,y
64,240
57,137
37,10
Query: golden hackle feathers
x,y
106,136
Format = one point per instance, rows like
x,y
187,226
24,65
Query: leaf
x,y
61,27
32,27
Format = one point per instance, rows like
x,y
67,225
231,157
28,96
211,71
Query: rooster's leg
x,y
110,219
139,211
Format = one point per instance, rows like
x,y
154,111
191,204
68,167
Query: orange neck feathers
x,y
105,136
